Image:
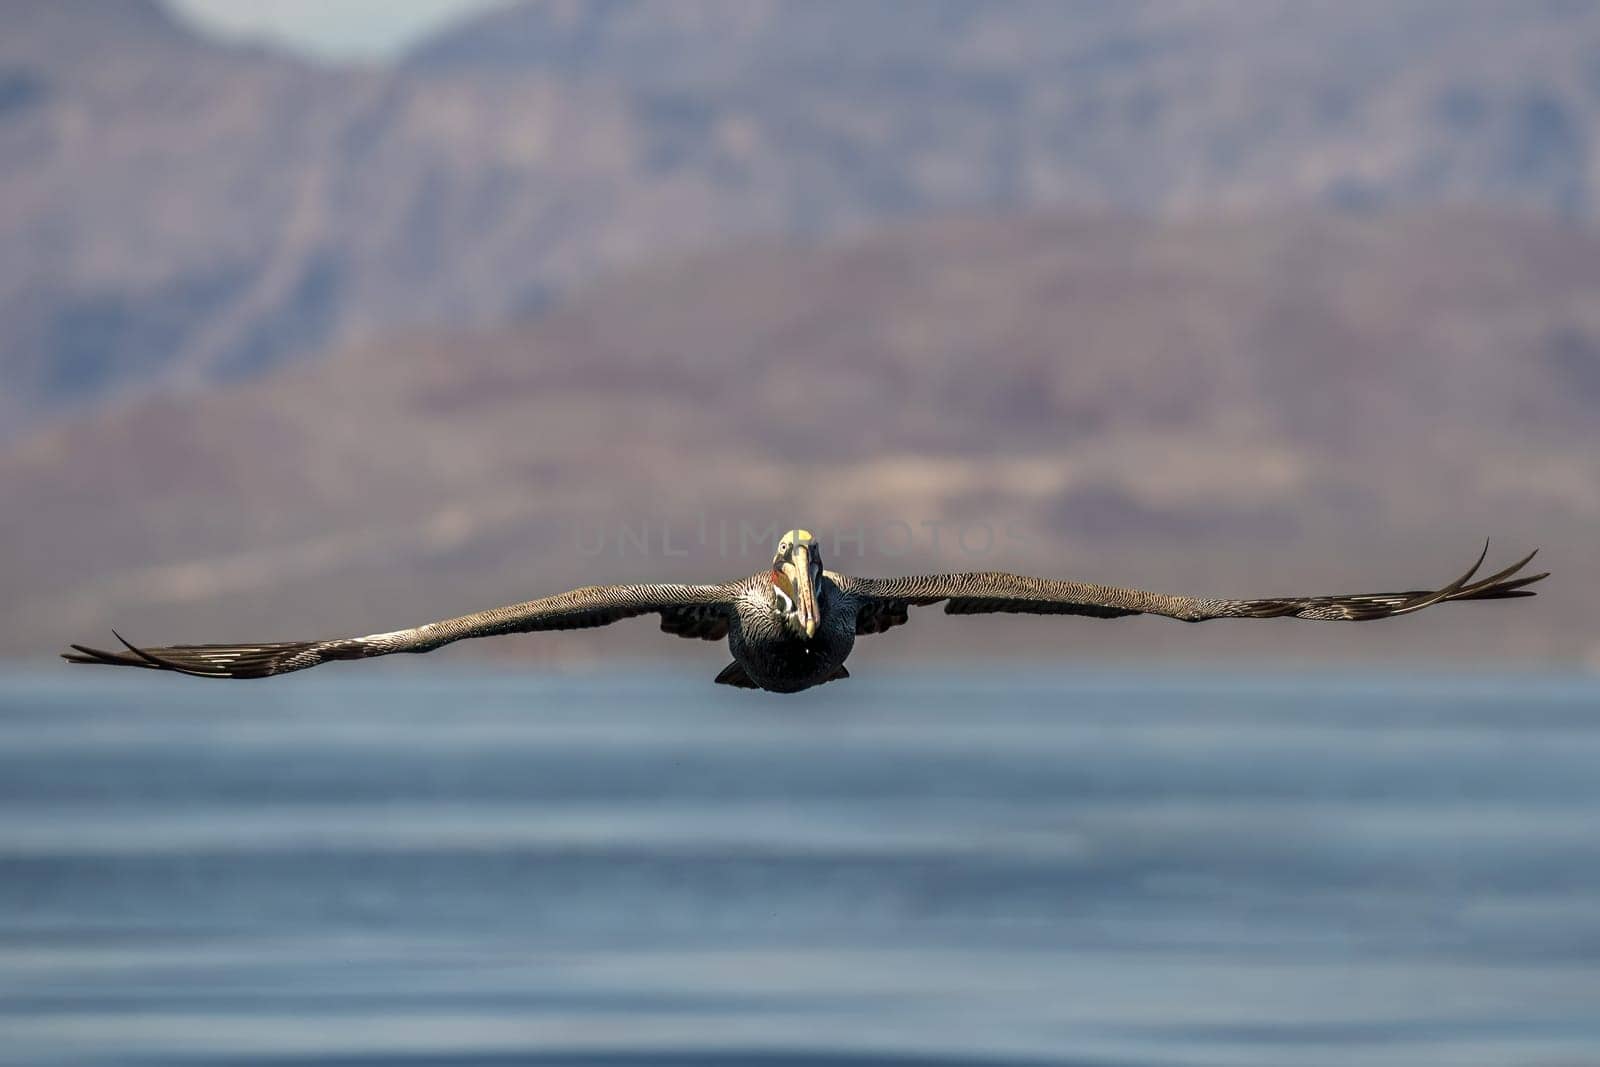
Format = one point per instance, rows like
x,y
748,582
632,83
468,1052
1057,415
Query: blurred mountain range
x,y
1238,406
1216,297
175,212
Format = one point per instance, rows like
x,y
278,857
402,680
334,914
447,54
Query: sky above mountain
x,y
333,28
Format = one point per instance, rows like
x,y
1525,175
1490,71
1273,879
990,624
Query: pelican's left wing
x,y
884,602
687,610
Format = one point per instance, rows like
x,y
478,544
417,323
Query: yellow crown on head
x,y
798,537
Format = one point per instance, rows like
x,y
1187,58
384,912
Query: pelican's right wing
x,y
885,602
686,610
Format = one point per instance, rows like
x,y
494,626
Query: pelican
x,y
792,626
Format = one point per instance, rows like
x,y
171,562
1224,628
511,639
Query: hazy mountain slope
x,y
157,209
175,211
1212,406
1145,103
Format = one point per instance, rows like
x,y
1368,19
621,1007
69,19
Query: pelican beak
x,y
805,594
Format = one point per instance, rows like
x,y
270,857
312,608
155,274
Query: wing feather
x,y
693,610
884,602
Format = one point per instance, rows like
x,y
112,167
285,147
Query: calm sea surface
x,y
371,867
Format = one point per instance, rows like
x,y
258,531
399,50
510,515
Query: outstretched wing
x,y
885,602
688,610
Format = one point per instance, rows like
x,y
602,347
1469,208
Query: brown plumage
x,y
791,627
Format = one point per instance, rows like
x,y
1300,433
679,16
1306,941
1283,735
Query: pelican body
x,y
792,626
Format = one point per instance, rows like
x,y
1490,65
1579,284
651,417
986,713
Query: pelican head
x,y
796,574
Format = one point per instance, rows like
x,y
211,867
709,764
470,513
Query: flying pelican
x,y
792,626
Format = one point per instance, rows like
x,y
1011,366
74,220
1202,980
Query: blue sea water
x,y
363,866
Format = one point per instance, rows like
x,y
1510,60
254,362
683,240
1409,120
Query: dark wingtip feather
x,y
1427,600
85,654
1505,588
208,661
166,664
1498,586
1502,585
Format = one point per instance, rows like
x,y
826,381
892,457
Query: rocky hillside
x,y
174,212
1219,405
